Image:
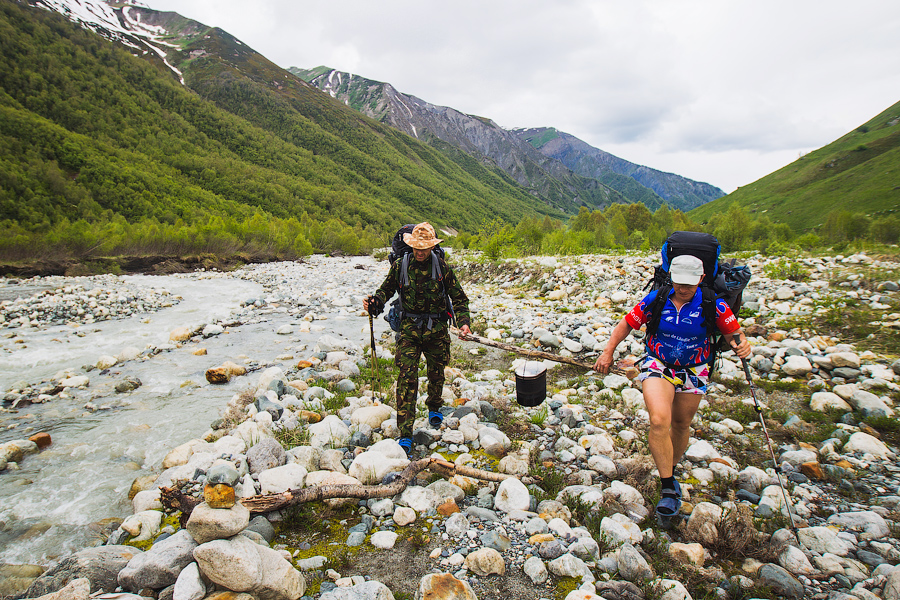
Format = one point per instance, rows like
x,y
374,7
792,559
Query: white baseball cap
x,y
686,269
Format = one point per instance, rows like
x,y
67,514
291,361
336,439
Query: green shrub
x,y
786,269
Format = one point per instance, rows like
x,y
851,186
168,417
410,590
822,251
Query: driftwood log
x,y
173,499
629,372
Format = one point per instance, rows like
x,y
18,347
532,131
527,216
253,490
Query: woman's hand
x,y
604,363
742,349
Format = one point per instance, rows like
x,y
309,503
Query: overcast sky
x,y
718,91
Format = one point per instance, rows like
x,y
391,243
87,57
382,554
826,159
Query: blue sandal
x,y
670,503
435,418
406,444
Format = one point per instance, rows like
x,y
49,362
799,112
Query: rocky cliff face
x,y
478,136
552,164
588,161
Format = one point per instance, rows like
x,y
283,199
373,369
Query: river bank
x,y
144,264
586,440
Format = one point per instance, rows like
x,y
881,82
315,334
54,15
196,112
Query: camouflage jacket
x,y
424,294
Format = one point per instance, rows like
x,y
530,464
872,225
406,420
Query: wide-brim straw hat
x,y
422,237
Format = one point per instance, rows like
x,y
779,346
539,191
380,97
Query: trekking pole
x,y
787,501
374,358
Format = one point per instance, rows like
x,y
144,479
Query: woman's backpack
x,y
722,280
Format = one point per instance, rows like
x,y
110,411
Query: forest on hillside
x,y
103,153
633,227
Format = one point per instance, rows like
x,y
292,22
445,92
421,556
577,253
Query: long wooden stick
x,y
535,353
173,498
269,502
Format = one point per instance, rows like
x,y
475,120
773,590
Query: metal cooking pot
x,y
531,384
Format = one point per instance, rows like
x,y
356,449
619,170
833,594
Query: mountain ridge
x,y
531,165
590,161
478,136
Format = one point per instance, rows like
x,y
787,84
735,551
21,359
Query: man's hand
x,y
373,305
464,332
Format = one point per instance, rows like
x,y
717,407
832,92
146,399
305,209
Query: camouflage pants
x,y
413,343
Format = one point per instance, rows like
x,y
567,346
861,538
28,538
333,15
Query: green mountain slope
x,y
859,172
88,131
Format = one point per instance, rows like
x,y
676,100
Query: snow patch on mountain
x,y
123,26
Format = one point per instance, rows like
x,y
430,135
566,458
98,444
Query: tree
x,y
885,229
733,230
638,217
664,219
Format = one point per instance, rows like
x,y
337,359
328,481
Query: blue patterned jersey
x,y
681,339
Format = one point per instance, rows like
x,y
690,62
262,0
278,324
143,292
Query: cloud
x,y
716,81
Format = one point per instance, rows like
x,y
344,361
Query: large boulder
x,y
100,566
797,366
444,586
371,466
330,432
703,523
373,416
825,401
265,454
512,495
870,405
867,444
241,565
869,524
485,561
494,441
419,499
823,540
159,566
283,478
206,523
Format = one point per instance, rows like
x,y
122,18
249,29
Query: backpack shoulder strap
x,y
404,270
708,308
709,311
656,307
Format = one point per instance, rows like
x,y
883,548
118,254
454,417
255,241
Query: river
x,y
49,505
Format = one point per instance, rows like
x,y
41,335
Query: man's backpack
x,y
400,250
399,247
721,281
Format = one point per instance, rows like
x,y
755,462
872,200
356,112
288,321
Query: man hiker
x,y
675,371
427,285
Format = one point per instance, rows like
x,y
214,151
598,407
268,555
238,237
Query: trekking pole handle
x,y
746,365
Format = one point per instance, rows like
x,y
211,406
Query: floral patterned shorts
x,y
689,380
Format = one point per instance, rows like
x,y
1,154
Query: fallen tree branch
x,y
172,498
629,372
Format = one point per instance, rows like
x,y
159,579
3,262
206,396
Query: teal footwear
x,y
670,503
406,444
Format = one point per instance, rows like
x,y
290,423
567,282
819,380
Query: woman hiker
x,y
676,371
425,284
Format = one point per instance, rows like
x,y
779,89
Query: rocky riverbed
x,y
570,514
